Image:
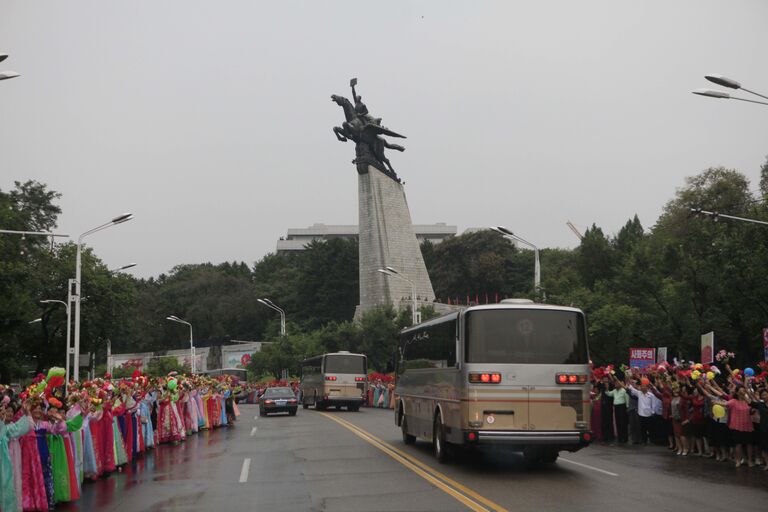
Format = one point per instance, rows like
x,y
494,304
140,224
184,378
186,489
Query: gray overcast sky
x,y
211,121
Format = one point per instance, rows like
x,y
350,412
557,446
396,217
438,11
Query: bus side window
x,y
435,347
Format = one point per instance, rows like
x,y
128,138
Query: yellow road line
x,y
438,474
445,483
431,479
435,472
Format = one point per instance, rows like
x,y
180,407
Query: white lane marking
x,y
253,430
244,471
593,468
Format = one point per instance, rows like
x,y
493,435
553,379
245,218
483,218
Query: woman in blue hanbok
x,y
9,431
223,400
145,411
90,467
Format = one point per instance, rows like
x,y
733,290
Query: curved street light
x,y
5,75
712,93
731,84
174,318
69,329
124,267
273,306
78,262
391,272
536,263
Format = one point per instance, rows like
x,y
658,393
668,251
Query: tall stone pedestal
x,y
387,239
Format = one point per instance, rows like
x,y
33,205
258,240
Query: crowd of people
x,y
696,409
55,437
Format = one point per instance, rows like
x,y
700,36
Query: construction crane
x,y
575,231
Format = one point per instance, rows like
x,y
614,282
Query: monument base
x,y
387,239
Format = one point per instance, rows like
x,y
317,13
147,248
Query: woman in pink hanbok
x,y
34,496
168,430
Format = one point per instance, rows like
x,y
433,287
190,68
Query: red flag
x,y
449,301
467,300
477,299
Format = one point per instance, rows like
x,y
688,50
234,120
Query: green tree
x,y
162,366
595,257
29,206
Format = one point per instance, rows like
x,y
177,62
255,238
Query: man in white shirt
x,y
646,403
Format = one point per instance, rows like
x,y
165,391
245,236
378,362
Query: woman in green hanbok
x,y
60,461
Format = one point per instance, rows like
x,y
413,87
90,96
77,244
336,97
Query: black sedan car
x,y
278,400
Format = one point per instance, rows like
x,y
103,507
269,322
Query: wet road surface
x,y
342,461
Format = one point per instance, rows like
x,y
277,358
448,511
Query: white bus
x,y
513,374
336,380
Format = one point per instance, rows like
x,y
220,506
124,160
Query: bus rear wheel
x,y
549,457
407,438
438,441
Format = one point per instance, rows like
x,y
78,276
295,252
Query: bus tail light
x,y
570,378
330,377
359,379
485,378
471,437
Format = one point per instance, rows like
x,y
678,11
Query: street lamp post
x,y
731,84
391,272
69,329
117,220
272,305
536,263
174,318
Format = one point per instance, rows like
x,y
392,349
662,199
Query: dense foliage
x,y
662,286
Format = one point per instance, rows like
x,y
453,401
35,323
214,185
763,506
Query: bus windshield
x,y
525,336
344,364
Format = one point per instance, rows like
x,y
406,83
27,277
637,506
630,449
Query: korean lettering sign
x,y
641,357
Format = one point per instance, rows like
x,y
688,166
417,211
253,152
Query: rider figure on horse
x,y
360,109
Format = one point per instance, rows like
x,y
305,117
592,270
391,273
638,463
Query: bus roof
x,y
344,353
339,353
486,307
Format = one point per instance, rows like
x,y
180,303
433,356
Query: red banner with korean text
x,y
641,357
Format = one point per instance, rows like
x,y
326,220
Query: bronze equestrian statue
x,y
366,131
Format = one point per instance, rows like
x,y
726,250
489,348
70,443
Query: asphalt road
x,y
342,461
